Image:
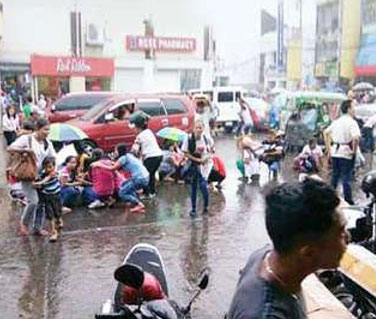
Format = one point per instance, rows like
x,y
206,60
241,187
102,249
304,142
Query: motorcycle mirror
x,y
130,275
204,279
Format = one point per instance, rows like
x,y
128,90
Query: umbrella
x,y
62,132
138,118
363,86
172,134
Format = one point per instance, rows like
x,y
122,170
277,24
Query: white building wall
x,y
43,27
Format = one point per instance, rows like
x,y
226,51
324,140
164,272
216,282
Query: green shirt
x,y
26,110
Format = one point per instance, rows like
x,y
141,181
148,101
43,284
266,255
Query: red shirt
x,y
219,166
104,180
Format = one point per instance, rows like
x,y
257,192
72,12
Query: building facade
x,y
337,39
53,47
366,59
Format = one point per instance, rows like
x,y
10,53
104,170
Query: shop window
x,y
174,106
152,108
97,84
54,87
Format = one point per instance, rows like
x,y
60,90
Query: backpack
x,y
307,164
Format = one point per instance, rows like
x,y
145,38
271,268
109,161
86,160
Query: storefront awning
x,y
366,59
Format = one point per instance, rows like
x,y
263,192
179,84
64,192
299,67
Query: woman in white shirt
x,y
147,146
11,124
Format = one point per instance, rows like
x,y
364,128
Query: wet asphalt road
x,y
71,278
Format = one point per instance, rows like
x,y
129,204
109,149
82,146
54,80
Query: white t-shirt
x,y
205,118
316,152
343,131
147,144
11,124
40,151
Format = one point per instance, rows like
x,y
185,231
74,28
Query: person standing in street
x,y
197,148
306,225
342,142
11,124
245,123
38,144
146,145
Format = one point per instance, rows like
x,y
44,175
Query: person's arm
x,y
355,133
327,141
195,159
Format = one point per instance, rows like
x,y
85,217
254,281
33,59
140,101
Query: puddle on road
x,y
71,278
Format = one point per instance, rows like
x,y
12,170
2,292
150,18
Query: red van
x,y
106,128
74,105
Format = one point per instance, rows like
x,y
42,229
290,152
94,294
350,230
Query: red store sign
x,y
71,66
161,44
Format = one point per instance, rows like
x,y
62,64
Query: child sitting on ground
x,y
49,196
309,161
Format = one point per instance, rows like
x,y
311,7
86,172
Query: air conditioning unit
x,y
94,34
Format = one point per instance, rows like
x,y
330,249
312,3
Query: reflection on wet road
x,y
71,278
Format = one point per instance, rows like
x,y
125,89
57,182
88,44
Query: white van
x,y
225,100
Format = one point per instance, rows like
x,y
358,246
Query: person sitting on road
x,y
310,160
139,177
70,191
103,180
306,225
273,153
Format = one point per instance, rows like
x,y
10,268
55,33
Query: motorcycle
x,y
142,290
362,228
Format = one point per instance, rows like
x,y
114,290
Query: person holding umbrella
x,y
147,147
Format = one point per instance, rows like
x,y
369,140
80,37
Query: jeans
x,y
88,195
152,165
128,189
31,213
69,196
343,169
199,180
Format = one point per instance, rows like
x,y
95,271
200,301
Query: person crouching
x,y
49,196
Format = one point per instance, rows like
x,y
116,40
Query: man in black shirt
x,y
307,227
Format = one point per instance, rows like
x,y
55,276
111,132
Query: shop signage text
x,y
161,44
71,66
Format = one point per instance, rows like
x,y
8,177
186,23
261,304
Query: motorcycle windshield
x,y
162,308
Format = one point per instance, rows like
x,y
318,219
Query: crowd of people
x,y
97,179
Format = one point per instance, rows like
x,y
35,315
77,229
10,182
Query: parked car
x,y
106,125
74,105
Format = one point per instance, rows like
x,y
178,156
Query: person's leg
x,y
153,165
204,191
88,195
127,192
247,128
336,171
69,196
347,170
32,202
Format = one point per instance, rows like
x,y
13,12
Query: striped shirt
x,y
52,186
